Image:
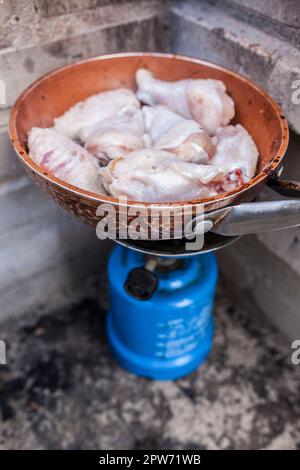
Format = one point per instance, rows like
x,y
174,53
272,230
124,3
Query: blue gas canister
x,y
160,322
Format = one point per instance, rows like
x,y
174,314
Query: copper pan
x,y
55,92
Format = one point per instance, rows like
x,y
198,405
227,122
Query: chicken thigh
x,y
94,109
171,132
150,175
204,100
116,136
233,144
65,159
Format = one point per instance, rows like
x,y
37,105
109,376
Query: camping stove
x,y
160,322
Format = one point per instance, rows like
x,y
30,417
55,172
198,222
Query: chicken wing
x,y
204,100
116,136
94,109
65,159
171,132
150,175
234,145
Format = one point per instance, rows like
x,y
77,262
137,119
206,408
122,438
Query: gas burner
x,y
177,248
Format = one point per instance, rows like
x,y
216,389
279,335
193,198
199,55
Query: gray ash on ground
x,y
61,388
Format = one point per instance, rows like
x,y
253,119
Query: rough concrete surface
x,y
62,389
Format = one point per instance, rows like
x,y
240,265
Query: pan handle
x,y
255,217
284,187
252,217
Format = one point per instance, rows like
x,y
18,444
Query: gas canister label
x,y
182,335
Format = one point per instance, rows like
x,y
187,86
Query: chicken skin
x,y
178,146
233,144
116,136
171,132
203,100
95,109
150,175
65,159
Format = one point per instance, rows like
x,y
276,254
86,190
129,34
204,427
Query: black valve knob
x,y
141,283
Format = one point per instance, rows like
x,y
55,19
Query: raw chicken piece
x,y
150,175
204,100
65,159
94,109
116,136
233,144
171,132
